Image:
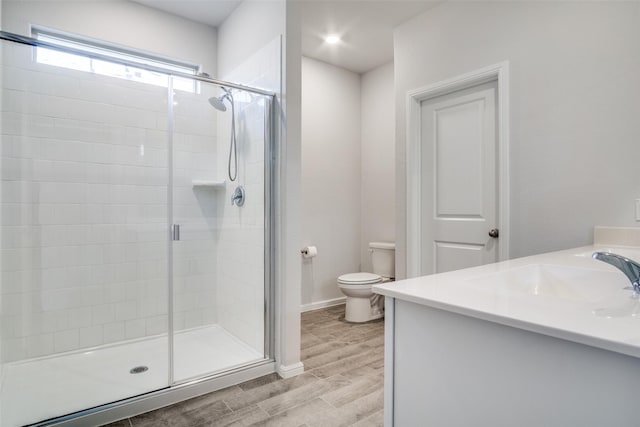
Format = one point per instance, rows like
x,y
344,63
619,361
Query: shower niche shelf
x,y
200,183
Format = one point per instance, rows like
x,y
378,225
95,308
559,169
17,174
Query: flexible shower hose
x,y
232,143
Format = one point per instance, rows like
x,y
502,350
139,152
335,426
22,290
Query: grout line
x,y
313,375
227,405
328,403
259,405
291,408
130,422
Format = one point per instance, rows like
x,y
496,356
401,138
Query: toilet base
x,y
359,310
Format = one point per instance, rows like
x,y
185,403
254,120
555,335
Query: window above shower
x,y
119,54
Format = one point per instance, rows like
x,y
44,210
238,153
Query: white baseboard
x,y
290,370
322,304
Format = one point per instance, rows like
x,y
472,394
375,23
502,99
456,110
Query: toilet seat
x,y
359,279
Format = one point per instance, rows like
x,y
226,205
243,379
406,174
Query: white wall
x,y
330,177
245,34
251,26
377,211
1,107
347,172
289,183
575,78
118,21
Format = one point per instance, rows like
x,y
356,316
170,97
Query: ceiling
x,y
210,12
365,26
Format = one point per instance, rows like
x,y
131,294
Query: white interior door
x,y
459,188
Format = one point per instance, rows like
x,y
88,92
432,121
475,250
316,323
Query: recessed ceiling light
x,y
332,39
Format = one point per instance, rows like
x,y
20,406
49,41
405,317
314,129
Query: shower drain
x,y
138,370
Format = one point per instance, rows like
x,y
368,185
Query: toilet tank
x,y
383,258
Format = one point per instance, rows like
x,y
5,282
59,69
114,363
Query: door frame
x,y
498,72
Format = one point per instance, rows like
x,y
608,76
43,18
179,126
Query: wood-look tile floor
x,y
342,385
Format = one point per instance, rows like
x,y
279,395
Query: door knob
x,y
494,232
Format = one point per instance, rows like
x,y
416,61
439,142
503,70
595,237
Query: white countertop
x,y
586,301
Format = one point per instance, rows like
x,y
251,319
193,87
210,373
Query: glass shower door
x,y
84,242
125,267
218,249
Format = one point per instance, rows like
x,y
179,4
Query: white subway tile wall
x,y
83,199
194,208
240,289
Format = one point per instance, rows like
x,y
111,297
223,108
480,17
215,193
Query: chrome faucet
x,y
630,268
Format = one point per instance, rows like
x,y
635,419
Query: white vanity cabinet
x,y
469,348
448,369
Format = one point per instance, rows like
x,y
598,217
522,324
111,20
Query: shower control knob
x,y
237,197
494,232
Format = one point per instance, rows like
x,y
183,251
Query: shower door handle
x,y
175,232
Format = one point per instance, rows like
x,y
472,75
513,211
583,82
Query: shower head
x,y
218,102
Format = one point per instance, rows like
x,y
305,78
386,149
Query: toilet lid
x,y
359,278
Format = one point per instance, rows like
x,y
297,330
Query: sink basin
x,y
566,283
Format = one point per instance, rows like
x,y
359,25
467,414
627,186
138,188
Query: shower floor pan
x,y
38,389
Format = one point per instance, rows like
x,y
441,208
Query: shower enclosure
x,y
125,268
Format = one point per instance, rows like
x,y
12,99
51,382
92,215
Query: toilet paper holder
x,y
309,251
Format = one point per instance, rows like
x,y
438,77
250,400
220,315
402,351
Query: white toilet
x,y
362,305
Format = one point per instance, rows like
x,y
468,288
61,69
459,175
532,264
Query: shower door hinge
x,y
175,232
